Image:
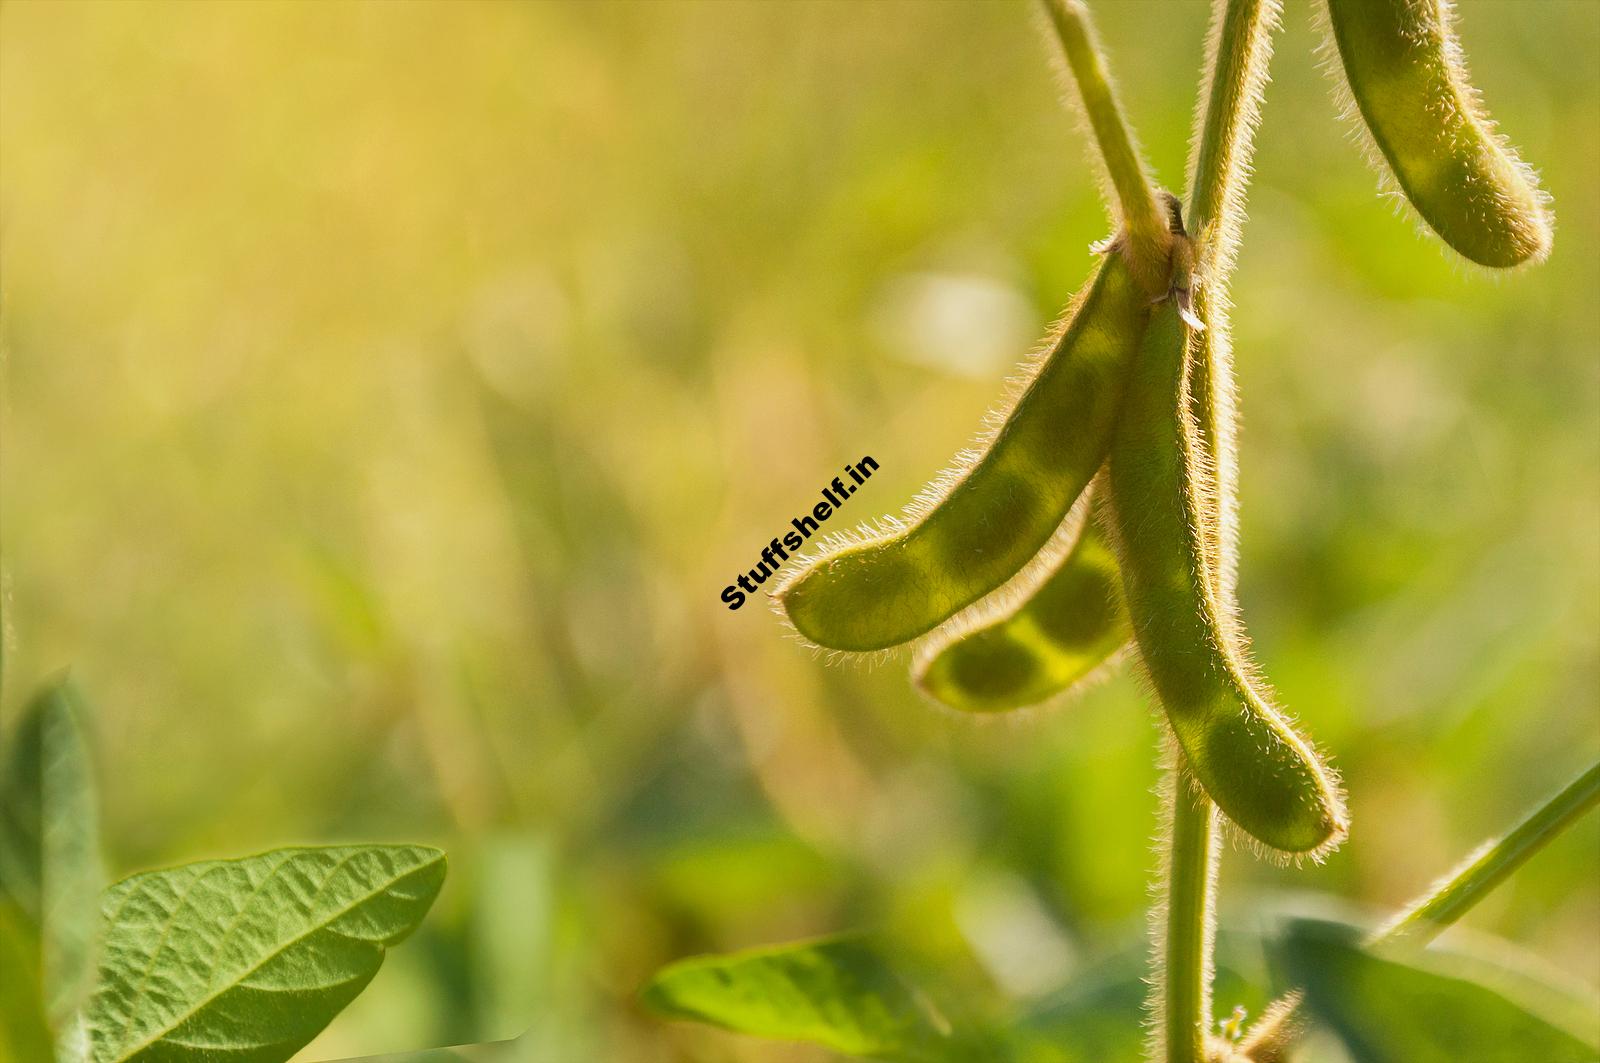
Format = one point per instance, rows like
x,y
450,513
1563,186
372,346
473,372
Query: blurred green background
x,y
392,388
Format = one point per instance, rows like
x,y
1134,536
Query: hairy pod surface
x,y
985,522
1260,773
1074,623
1406,75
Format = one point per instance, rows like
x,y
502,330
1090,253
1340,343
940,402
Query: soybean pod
x,y
1073,624
985,520
1408,80
1166,518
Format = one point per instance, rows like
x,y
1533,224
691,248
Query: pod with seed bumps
x,y
1260,773
1072,625
985,521
1407,79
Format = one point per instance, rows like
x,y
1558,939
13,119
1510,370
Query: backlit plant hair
x,y
1018,584
1404,77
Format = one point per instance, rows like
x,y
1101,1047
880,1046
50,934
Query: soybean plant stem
x,y
1485,870
1191,883
1239,46
1235,72
1142,215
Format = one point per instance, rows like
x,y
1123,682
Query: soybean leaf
x,y
835,992
50,864
1417,1007
249,959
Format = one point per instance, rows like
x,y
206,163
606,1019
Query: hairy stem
x,y
1235,72
1191,871
1486,869
1237,51
1142,214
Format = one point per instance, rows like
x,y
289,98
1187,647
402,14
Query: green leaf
x,y
1422,1007
249,959
835,992
50,864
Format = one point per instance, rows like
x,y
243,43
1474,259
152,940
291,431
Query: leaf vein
x,y
149,966
197,1006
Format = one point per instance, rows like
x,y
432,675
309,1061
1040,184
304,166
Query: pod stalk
x,y
1143,219
1237,51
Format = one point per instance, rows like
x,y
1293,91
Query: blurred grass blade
x,y
835,992
515,1050
50,865
512,930
1392,1009
1489,867
249,959
24,1034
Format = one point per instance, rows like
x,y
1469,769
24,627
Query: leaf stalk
x,y
1448,901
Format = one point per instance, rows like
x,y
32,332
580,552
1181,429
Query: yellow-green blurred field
x,y
391,388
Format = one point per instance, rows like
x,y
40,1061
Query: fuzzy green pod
x,y
986,520
1072,625
1166,507
1407,78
